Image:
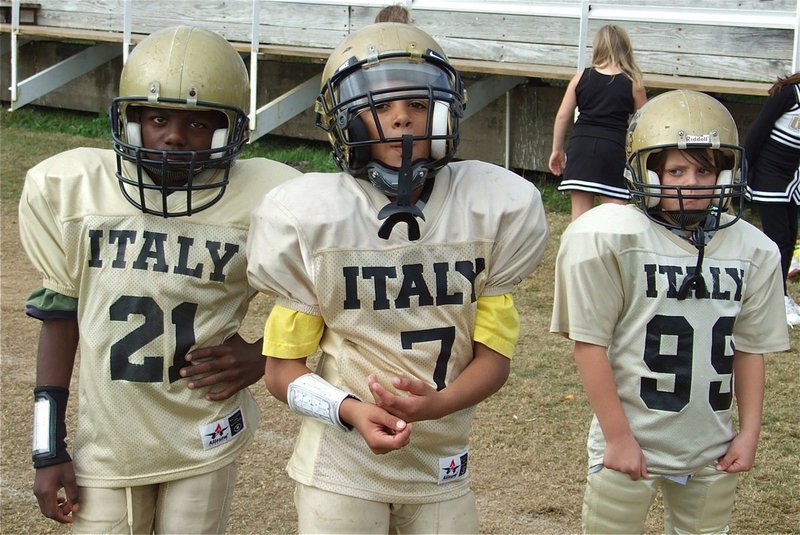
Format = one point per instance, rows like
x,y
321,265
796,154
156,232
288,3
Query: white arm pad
x,y
43,425
311,395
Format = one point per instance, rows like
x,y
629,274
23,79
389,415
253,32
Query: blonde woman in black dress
x,y
606,94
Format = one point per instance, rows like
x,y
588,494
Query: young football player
x,y
399,271
671,303
142,254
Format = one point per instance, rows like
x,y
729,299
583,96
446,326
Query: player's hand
x,y
234,364
625,455
740,456
382,431
46,485
417,406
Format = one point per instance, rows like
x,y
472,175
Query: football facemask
x,y
376,65
200,71
685,120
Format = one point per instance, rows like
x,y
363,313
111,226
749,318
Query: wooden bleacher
x,y
502,44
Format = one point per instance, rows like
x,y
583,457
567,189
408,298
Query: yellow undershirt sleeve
x,y
497,323
289,334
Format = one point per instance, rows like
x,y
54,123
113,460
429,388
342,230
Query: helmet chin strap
x,y
401,209
699,238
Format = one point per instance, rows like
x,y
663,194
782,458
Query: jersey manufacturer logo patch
x,y
223,430
453,468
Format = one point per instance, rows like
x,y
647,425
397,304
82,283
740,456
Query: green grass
x,y
554,200
54,121
304,155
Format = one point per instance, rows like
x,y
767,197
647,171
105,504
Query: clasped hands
x,y
386,424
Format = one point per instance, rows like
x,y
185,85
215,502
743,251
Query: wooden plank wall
x,y
733,53
685,50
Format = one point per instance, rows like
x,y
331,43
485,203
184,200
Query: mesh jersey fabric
x,y
149,290
393,307
617,276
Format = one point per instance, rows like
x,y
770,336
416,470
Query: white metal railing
x,y
583,10
578,9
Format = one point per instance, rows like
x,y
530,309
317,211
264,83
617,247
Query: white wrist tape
x,y
311,395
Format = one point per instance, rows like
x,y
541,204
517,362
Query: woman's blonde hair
x,y
612,48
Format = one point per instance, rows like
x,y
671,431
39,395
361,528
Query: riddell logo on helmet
x,y
705,138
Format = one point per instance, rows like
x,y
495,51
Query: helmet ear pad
x,y
133,133
724,178
440,127
652,180
649,185
361,155
219,139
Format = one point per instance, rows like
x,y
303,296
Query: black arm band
x,y
50,426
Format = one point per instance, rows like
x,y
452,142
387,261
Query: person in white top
x,y
141,250
671,303
399,271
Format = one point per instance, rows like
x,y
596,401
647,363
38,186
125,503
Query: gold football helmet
x,y
183,68
684,120
380,63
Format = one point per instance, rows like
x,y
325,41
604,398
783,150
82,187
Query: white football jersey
x,y
617,277
394,307
149,289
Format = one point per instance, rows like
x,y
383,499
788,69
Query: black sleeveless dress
x,y
596,150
